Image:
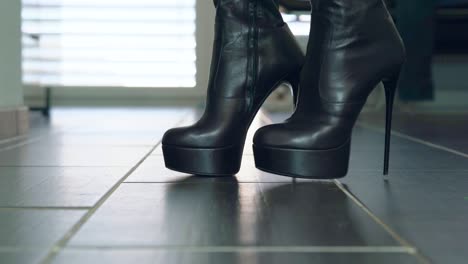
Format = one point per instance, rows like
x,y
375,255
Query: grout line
x,y
12,208
8,140
270,249
423,142
392,233
59,245
386,227
26,142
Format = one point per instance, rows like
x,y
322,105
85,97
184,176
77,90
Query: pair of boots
x,y
353,45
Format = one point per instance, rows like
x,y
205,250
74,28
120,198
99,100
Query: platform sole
x,y
298,163
203,161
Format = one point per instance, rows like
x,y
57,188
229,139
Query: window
x,y
298,23
109,43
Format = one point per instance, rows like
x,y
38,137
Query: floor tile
x,y
218,213
9,143
104,139
27,235
365,139
157,150
444,129
55,186
36,154
428,208
427,158
17,256
169,257
35,228
161,216
367,151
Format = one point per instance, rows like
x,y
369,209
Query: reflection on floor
x,y
89,186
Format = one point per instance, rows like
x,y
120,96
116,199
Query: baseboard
x,y
13,122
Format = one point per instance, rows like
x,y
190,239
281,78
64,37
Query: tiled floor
x,y
90,186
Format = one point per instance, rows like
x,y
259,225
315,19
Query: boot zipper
x,y
253,46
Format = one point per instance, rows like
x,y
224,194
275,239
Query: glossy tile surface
x,y
425,197
36,154
161,256
367,148
449,130
429,208
221,213
63,167
84,159
27,235
104,138
22,255
35,228
56,186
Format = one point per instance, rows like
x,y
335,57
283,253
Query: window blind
x,y
298,23
109,43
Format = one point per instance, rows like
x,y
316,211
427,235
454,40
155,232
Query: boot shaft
x,y
341,11
252,44
353,44
348,20
264,13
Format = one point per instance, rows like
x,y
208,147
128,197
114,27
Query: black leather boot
x,y
254,52
353,46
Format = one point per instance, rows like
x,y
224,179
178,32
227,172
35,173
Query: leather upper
x,y
353,45
253,52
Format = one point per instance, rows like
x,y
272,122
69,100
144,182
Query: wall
x,y
11,94
13,116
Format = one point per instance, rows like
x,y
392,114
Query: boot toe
x,y
276,135
302,135
180,136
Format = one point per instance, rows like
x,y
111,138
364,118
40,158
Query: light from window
x,y
299,24
110,43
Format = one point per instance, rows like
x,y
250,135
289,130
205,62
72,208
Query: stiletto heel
x,y
390,86
353,45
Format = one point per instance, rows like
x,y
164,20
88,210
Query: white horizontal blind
x,y
298,23
110,43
